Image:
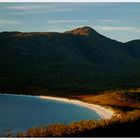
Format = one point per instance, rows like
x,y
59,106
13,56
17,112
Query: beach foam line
x,y
22,95
105,113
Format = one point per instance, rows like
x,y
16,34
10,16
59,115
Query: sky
x,y
119,21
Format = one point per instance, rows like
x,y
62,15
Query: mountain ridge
x,y
68,61
83,30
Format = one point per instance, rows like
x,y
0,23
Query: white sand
x,y
105,113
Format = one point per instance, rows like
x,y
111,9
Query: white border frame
x,y
73,1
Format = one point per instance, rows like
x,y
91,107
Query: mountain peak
x,y
86,30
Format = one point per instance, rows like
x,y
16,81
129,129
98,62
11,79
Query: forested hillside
x,y
76,60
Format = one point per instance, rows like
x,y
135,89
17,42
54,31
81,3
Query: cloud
x,y
4,22
119,28
25,7
110,20
67,21
43,7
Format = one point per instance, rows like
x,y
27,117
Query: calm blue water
x,y
19,113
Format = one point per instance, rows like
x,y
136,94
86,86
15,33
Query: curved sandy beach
x,y
103,112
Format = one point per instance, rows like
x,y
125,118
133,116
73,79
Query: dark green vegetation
x,y
80,60
127,125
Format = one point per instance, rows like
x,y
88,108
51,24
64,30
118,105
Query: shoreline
x,y
24,95
104,113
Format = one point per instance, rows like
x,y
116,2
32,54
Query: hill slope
x,y
76,60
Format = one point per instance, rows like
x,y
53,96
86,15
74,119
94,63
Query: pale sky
x,y
120,21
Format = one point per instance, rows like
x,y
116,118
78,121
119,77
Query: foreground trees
x,y
125,125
